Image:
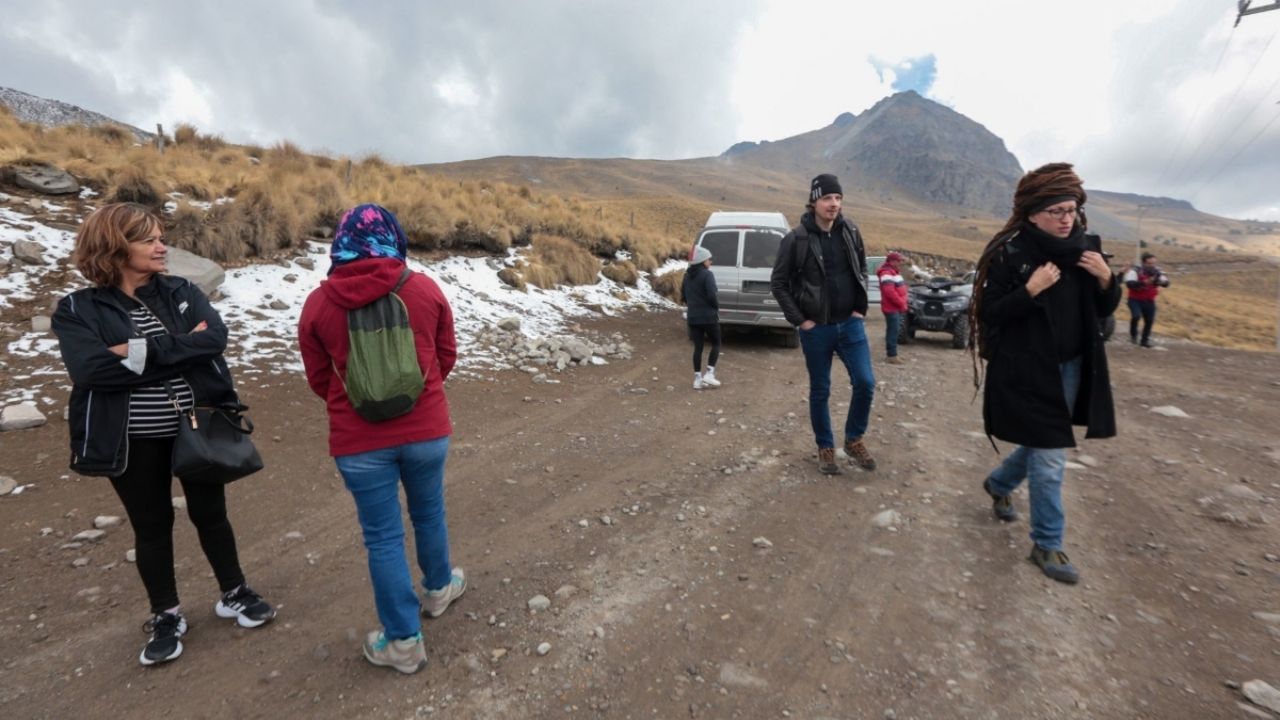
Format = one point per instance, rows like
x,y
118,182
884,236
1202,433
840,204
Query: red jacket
x,y
322,337
893,289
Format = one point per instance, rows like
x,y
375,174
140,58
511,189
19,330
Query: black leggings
x,y
144,488
696,334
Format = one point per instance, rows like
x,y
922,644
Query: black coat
x,y
89,321
1023,401
798,281
699,293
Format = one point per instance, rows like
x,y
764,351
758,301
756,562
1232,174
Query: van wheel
x,y
905,332
791,339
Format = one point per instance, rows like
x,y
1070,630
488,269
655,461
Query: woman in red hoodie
x,y
893,303
368,255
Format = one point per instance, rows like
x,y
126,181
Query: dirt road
x,y
697,564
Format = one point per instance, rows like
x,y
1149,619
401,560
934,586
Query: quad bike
x,y
939,305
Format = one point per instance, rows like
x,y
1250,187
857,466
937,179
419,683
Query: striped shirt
x,y
151,412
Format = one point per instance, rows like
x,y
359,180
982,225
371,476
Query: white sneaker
x,y
437,601
699,383
709,379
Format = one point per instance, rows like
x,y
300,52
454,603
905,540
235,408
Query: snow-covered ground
x,y
263,339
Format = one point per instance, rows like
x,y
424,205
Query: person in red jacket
x,y
893,303
1144,282
374,459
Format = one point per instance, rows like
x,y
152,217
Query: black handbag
x,y
213,445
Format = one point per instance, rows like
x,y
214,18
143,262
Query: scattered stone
x,y
510,323
762,542
306,262
1252,711
79,562
1242,492
180,502
583,523
598,631
202,272
45,178
131,555
90,535
1262,694
543,648
887,519
566,591
20,417
278,305
539,602
606,520
293,535
736,675
7,484
41,323
102,522
497,654
1088,461
1170,411
1268,617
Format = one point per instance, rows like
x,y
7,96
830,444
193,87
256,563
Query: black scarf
x,y
1063,252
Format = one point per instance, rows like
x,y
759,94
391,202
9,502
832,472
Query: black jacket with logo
x,y
699,293
89,321
799,279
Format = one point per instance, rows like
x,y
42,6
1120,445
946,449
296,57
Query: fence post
x,y
348,179
160,138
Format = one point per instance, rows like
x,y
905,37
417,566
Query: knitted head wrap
x,y
368,231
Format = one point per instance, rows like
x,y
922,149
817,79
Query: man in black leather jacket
x,y
820,283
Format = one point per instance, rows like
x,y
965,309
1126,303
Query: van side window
x,y
723,245
760,249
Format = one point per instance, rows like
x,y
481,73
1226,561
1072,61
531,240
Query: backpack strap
x,y
801,247
405,274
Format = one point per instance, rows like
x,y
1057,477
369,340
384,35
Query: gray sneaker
x,y
437,601
407,656
1055,564
1001,505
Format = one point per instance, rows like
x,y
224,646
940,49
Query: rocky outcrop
x,y
206,274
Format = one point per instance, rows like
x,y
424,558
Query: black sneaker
x,y
166,631
1002,505
246,606
1055,564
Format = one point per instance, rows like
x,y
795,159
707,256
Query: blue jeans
x,y
1144,310
374,480
892,326
1042,468
848,339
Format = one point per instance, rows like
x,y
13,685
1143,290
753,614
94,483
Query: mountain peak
x,y
55,113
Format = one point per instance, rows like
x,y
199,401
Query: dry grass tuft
x,y
668,285
622,272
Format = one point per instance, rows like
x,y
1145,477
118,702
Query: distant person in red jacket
x,y
368,255
893,303
1144,282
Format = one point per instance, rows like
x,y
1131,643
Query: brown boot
x,y
857,450
895,360
827,462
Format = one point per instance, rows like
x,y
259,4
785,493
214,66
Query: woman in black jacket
x,y
703,315
137,345
1042,292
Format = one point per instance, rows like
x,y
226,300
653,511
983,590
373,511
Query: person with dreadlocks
x,y
1042,292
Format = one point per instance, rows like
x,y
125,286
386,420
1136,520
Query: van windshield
x,y
760,249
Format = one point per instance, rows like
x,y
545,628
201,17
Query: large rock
x,y
20,417
31,253
1260,693
577,349
45,179
206,274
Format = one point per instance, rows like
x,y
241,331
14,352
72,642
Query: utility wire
x,y
1195,115
1248,116
1205,137
1238,153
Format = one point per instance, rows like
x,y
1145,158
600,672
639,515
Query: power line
x,y
1195,115
1238,153
1248,116
1205,136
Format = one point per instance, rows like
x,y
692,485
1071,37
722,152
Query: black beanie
x,y
824,184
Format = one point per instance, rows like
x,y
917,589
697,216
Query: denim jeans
x,y
374,479
892,326
1042,468
848,339
1144,310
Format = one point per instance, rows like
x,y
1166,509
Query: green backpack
x,y
384,378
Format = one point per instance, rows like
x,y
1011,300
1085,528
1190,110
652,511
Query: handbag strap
x,y
173,398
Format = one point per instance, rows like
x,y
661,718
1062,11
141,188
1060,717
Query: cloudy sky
x,y
1159,97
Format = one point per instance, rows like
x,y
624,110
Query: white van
x,y
744,246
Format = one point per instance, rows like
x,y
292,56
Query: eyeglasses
x,y
1060,213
